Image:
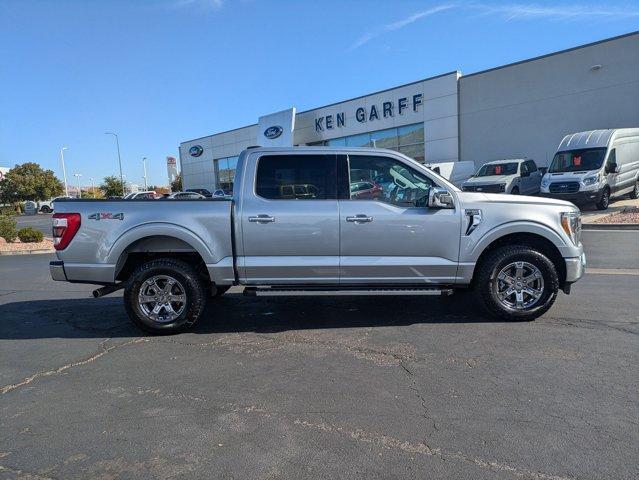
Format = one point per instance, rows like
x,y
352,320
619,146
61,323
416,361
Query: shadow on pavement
x,y
235,313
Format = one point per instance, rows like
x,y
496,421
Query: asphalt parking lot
x,y
40,221
361,387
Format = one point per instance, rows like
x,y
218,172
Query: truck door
x,y
391,236
289,220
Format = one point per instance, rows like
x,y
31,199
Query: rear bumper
x,y
578,198
57,271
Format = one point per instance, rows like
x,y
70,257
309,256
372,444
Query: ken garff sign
x,y
273,132
388,109
196,150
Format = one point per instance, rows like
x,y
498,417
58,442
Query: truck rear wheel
x,y
165,296
517,283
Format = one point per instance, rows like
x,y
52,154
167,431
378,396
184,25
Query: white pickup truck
x,y
321,221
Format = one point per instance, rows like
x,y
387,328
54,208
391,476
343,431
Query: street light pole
x,y
78,175
92,185
146,186
64,171
117,144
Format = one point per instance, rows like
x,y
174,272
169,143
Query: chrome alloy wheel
x,y
518,286
162,298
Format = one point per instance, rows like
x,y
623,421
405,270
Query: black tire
x,y
194,291
635,191
45,209
221,290
495,261
604,201
515,191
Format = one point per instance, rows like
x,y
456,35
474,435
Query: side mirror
x,y
543,170
612,168
440,198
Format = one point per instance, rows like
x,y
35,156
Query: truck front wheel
x,y
165,296
517,283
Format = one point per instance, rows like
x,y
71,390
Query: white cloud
x,y
554,12
509,12
398,25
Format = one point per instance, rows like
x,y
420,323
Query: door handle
x,y
361,218
261,219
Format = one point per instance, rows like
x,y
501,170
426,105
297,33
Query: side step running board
x,y
290,292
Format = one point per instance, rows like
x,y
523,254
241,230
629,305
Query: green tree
x,y
176,185
29,182
112,186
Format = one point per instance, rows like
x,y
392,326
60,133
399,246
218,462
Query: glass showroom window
x,y
408,140
225,173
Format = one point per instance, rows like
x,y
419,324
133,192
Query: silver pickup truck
x,y
321,221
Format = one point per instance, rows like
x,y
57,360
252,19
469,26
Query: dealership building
x,y
520,110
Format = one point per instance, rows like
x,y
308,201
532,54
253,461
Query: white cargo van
x,y
594,166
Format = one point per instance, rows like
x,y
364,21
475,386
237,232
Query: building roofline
x,y
381,91
578,47
218,133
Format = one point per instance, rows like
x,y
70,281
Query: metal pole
x,y
117,143
78,175
146,186
64,171
92,185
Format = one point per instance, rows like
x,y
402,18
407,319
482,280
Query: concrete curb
x,y
28,252
610,226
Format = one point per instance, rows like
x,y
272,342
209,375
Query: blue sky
x,y
159,72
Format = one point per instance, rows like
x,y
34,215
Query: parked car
x,y
46,206
148,195
201,191
594,166
517,176
422,236
184,196
455,172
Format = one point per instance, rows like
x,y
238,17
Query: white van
x,y
594,166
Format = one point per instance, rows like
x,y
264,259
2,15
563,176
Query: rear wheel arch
x,y
153,247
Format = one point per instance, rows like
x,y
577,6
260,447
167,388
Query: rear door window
x,y
297,177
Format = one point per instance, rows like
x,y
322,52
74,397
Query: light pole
x,y
92,185
64,171
117,144
146,186
78,175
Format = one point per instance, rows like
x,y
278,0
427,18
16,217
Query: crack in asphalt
x,y
45,373
23,474
592,324
418,394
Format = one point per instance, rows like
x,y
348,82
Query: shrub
x,y
30,235
8,210
7,228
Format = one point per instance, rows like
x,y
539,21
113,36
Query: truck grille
x,y
494,188
564,187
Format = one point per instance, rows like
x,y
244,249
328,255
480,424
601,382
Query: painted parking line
x,y
612,271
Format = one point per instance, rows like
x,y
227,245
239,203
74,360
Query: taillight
x,y
65,226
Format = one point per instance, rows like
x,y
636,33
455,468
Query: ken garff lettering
x,y
196,150
273,132
362,114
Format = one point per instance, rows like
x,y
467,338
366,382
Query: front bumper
x,y
575,268
578,198
57,271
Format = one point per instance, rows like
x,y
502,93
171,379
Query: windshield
x,y
578,160
497,169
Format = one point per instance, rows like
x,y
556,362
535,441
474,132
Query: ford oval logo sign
x,y
273,132
196,150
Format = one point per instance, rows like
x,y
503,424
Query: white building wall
x,y
524,110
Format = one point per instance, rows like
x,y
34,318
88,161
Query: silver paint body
x,y
311,241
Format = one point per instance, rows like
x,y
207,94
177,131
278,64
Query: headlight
x,y
571,223
590,180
